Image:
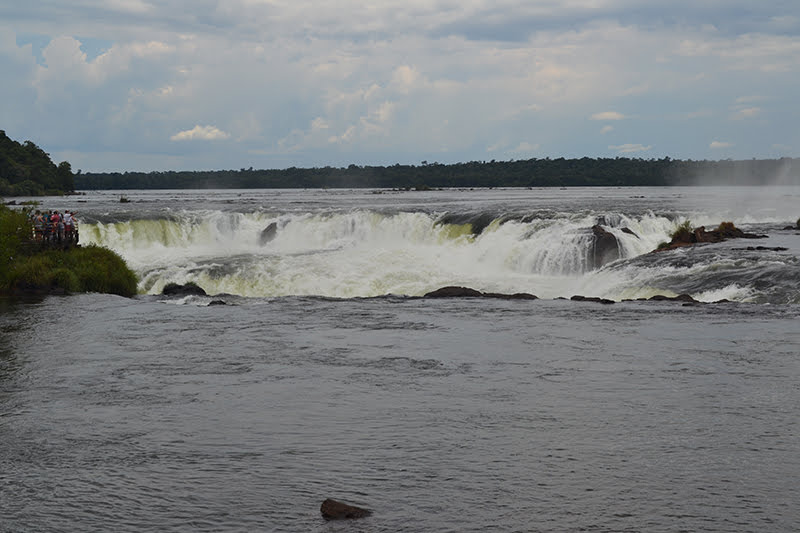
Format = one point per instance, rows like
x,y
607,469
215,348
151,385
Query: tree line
x,y
618,171
27,170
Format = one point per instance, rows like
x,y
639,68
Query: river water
x,y
326,376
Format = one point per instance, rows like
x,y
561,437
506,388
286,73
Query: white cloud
x,y
630,148
332,83
201,133
608,115
747,112
716,145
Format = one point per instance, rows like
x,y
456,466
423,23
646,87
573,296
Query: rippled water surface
x,y
440,416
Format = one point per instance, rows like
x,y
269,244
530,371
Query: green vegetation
x,y
28,267
726,227
26,170
683,232
584,172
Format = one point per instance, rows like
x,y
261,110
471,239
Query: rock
x,y
680,298
579,298
466,292
454,292
515,296
335,510
268,233
629,231
725,231
217,302
763,248
605,247
189,289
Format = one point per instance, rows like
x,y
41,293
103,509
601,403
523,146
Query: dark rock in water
x,y
189,289
268,233
579,298
680,298
454,292
629,231
605,247
725,231
466,292
763,248
515,296
217,302
335,510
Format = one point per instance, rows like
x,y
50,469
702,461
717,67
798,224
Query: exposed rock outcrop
x,y
189,289
336,510
725,231
268,233
605,247
579,298
466,292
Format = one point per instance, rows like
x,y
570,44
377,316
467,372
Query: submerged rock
x,y
336,510
188,289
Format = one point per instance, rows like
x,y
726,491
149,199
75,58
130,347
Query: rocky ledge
x,y
688,237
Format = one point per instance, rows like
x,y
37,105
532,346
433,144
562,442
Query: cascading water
x,y
367,253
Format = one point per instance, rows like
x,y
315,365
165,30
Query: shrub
x,y
65,279
683,232
726,227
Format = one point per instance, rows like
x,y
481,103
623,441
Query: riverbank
x,y
34,268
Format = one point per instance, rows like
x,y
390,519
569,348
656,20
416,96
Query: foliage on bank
x,y
28,267
27,170
584,172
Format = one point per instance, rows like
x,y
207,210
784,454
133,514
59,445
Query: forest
x,y
584,172
27,170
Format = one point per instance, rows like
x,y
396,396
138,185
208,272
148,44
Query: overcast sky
x,y
219,84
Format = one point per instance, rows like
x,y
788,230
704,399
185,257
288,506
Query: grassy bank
x,y
28,268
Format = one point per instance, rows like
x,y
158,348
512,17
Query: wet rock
x,y
629,231
466,292
268,233
515,296
454,292
217,302
579,298
763,248
680,298
725,231
336,510
189,289
605,247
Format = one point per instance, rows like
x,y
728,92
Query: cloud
x,y
608,115
306,84
715,145
201,133
747,112
630,148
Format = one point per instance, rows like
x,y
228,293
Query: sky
x,y
146,85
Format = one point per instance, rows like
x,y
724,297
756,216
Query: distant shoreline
x,y
583,172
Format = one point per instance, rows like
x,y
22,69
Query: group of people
x,y
55,227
